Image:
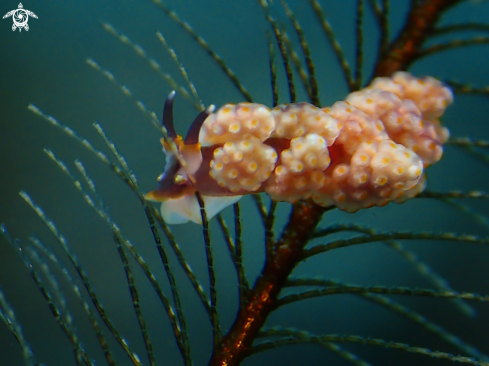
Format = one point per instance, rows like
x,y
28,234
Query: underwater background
x,y
46,66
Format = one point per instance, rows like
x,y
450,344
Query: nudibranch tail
x,y
368,150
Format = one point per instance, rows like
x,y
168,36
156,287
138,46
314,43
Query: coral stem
x,y
262,299
419,25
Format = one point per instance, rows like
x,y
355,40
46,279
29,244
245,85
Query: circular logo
x,y
20,17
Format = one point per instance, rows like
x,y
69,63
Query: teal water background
x,y
46,66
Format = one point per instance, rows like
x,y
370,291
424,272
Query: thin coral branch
x,y
294,336
426,324
473,151
273,70
235,251
57,303
280,38
243,284
359,45
384,27
216,327
125,90
227,236
399,309
150,114
179,324
63,320
150,211
86,307
7,315
313,88
72,133
462,88
467,141
118,240
323,20
260,206
347,289
482,219
183,71
427,271
135,301
201,42
81,272
180,257
456,43
454,194
122,161
294,57
465,27
346,355
364,239
152,62
410,256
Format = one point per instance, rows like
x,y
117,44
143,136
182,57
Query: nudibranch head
x,y
366,151
176,179
186,173
175,184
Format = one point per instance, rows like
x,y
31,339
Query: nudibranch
x,y
365,151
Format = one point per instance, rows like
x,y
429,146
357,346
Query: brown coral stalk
x,y
405,49
262,299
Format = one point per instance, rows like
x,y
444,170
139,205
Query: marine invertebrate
x,y
374,137
136,326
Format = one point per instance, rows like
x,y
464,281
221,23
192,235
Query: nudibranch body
x,y
365,151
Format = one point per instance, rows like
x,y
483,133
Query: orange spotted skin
x,y
366,151
208,186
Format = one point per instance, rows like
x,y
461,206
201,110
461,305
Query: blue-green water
x,y
46,66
